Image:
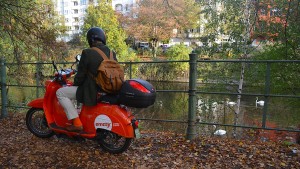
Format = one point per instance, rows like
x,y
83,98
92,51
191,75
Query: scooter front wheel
x,y
37,124
113,143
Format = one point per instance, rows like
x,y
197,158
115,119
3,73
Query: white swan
x,y
220,132
231,103
261,102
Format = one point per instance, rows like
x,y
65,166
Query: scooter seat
x,y
109,98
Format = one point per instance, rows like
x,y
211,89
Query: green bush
x,y
179,52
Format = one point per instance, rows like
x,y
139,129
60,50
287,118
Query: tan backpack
x,y
110,74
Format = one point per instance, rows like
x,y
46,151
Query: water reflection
x,y
211,108
220,109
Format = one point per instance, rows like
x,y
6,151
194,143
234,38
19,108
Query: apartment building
x,y
192,36
269,23
74,11
124,6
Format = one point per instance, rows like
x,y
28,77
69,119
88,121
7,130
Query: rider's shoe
x,y
74,128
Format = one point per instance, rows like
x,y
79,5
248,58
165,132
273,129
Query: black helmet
x,y
96,33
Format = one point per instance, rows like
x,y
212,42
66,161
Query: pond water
x,y
282,113
172,106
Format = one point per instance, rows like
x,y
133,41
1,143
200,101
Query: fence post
x,y
130,70
38,73
3,89
191,129
267,92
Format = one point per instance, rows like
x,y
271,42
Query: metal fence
x,y
217,73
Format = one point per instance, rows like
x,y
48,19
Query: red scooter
x,y
110,122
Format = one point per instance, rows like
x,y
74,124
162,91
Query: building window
x,y
67,20
275,12
263,11
66,12
76,27
119,7
75,3
82,2
75,11
126,7
76,19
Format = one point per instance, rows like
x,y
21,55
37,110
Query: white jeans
x,y
65,95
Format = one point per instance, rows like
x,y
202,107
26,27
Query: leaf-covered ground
x,y
20,149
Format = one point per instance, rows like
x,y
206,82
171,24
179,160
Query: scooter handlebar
x,y
64,74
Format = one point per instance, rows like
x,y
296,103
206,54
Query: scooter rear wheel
x,y
37,124
113,143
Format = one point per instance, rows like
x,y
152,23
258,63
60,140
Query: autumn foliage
x,y
20,149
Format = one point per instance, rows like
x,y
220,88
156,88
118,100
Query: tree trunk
x,y
244,57
154,48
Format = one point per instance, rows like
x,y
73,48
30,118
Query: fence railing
x,y
199,74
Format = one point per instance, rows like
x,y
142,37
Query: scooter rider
x,y
85,88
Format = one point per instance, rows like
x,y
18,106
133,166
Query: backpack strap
x,y
102,54
111,55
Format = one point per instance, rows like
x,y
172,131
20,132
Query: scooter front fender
x,y
37,103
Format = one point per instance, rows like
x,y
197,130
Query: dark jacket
x,y
87,87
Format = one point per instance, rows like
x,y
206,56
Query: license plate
x,y
137,133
